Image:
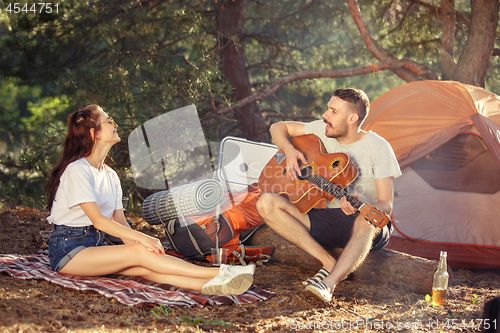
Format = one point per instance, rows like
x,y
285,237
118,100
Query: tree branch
x,y
416,69
460,16
162,56
277,114
371,44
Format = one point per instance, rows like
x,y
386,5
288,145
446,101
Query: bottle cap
x,y
444,254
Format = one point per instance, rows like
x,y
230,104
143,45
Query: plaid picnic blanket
x,y
125,289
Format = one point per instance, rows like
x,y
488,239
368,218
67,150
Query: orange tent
x,y
446,136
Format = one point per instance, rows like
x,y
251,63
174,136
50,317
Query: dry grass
x,y
38,306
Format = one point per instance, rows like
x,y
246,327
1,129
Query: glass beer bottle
x,y
440,282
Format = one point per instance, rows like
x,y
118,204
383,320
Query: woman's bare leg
x,y
104,260
187,282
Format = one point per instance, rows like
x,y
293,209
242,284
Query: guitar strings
x,y
325,184
337,191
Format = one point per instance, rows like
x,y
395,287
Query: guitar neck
x,y
334,190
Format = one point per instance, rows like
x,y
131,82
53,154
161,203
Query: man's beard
x,y
336,133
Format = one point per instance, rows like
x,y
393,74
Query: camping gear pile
x,y
231,221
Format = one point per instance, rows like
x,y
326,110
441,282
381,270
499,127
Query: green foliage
x,y
493,76
196,321
23,178
30,132
26,113
160,311
137,62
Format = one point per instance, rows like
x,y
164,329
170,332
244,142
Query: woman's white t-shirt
x,y
81,183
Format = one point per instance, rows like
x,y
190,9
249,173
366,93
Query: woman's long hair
x,y
78,143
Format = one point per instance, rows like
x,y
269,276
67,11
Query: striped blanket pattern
x,y
130,291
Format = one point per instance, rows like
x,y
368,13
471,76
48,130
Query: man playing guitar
x,y
338,225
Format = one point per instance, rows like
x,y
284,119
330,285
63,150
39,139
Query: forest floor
x,y
39,306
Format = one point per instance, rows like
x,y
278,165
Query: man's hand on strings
x,y
294,159
346,206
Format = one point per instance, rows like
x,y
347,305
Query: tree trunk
x,y
447,39
385,266
475,58
230,17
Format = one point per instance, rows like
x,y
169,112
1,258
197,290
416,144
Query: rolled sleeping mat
x,y
191,199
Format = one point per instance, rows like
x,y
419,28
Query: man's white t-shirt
x,y
372,155
81,183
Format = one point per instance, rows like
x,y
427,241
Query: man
x,y
338,225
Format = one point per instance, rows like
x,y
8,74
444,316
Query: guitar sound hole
x,y
305,172
335,164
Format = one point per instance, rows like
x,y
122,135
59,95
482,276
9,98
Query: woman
x,y
85,200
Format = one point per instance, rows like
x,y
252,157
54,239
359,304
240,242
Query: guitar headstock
x,y
374,216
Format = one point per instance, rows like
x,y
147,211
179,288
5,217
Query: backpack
x,y
491,316
232,223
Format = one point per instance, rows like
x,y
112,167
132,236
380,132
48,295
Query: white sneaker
x,y
237,270
228,284
320,290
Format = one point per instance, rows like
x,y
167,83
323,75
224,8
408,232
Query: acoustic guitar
x,y
323,178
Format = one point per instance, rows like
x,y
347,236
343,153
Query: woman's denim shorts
x,y
65,242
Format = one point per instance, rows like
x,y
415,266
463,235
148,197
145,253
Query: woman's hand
x,y
151,243
120,228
